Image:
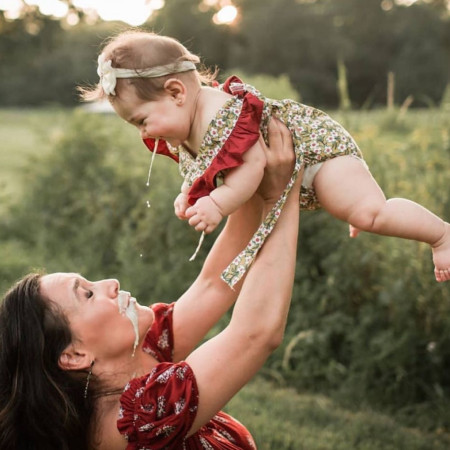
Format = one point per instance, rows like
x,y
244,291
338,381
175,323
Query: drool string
x,y
151,166
200,242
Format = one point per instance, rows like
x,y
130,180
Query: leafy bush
x,y
87,210
278,87
367,318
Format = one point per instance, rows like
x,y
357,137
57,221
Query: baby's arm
x,y
239,185
181,202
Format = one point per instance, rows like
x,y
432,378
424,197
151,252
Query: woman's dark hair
x,y
41,405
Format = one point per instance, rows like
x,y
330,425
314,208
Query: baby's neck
x,y
209,101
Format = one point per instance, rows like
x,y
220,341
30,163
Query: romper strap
x,y
234,272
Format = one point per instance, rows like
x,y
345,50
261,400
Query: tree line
x,y
318,44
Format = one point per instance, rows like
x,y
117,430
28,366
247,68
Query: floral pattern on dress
x,y
157,410
218,132
159,340
316,137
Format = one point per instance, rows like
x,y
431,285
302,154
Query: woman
x,y
70,378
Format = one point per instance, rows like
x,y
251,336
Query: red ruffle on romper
x,y
244,135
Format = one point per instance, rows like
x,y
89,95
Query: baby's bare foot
x,y
441,256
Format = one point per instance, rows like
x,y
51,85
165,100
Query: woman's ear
x,y
176,89
72,359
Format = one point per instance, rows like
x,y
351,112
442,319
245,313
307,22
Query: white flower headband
x,y
108,74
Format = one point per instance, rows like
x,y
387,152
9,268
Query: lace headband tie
x,y
108,74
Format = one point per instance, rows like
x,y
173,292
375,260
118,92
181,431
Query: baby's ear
x,y
176,89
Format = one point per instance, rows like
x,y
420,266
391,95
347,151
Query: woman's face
x,y
93,313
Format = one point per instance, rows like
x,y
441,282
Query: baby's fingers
x,y
180,213
196,223
190,212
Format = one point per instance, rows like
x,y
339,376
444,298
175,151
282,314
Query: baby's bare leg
x,y
347,190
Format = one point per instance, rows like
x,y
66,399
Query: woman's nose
x,y
112,287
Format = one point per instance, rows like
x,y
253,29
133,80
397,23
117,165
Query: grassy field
x,y
23,135
279,418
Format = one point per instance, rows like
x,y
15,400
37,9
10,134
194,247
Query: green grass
x,y
282,419
24,133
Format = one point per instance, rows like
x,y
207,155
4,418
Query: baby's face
x,y
166,118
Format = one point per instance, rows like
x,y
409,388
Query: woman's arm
x,y
226,362
239,185
208,298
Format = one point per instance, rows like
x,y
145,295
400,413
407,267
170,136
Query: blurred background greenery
x,y
366,355
311,41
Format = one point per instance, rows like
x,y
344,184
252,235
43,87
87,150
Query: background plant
x,y
368,322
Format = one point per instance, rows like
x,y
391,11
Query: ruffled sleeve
x,y
159,340
158,410
243,136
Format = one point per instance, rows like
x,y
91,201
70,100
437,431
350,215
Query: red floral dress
x,y
158,409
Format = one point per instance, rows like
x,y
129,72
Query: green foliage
x,y
24,135
277,87
42,62
85,210
369,40
368,319
367,322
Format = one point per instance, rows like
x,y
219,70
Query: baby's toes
x,y
442,275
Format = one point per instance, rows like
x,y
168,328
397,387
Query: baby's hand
x,y
204,215
181,205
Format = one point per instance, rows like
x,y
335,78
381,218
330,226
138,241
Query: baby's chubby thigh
x,y
346,189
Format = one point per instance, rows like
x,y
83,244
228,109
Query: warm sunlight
x,y
133,12
226,15
54,8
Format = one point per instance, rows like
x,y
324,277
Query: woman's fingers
x,y
280,149
280,161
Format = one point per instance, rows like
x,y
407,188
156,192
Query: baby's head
x,y
140,52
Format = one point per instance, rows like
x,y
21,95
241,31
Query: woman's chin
x,y
145,315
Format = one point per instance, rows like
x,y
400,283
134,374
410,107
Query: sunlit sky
x,y
133,12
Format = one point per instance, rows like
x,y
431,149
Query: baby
x,y
214,134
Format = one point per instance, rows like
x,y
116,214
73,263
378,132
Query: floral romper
x,y
236,127
157,410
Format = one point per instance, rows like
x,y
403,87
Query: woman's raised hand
x,y
280,161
